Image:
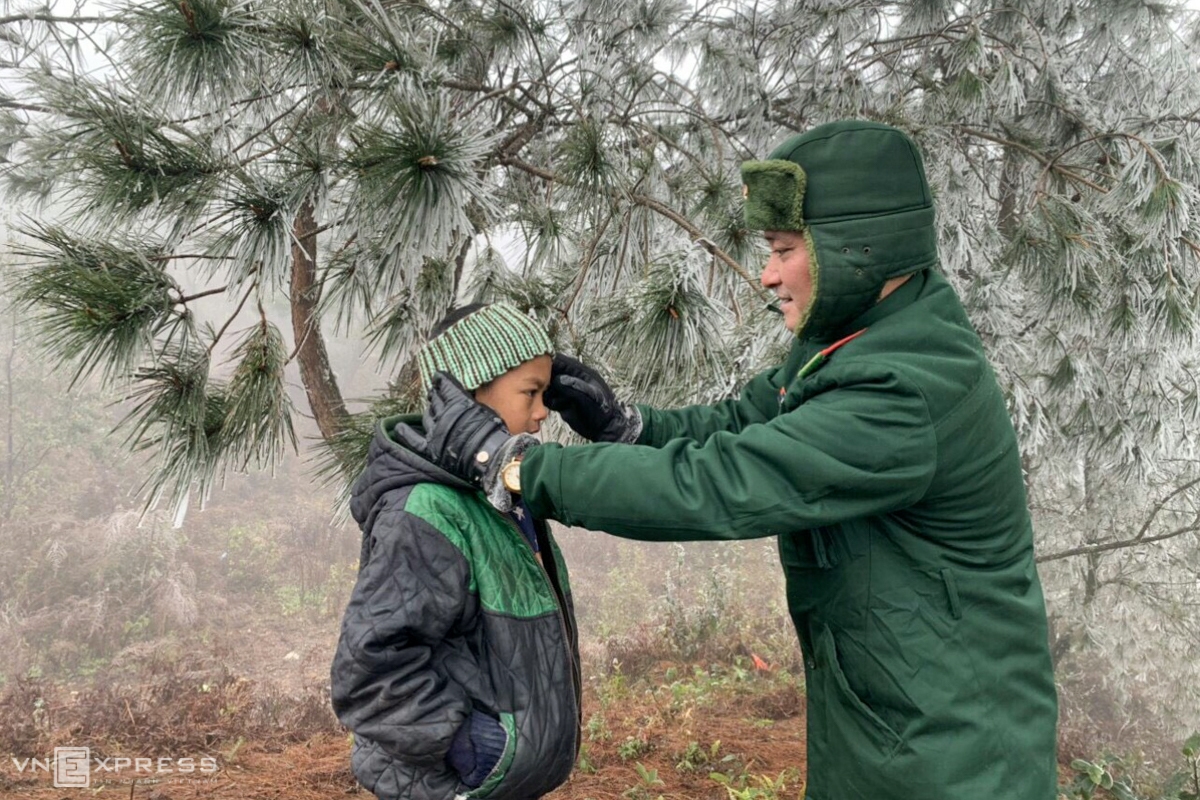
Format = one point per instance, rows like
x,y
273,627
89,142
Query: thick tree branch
x,y
13,104
532,169
1046,162
232,317
1141,534
1124,544
316,373
481,88
192,257
585,263
659,208
51,19
1140,537
698,237
190,297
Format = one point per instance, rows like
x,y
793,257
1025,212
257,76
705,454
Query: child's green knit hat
x,y
482,346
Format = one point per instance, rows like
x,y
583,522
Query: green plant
x,y
704,684
757,787
647,780
633,747
40,715
597,728
1189,777
584,762
337,586
230,755
623,594
1103,778
649,777
695,757
1095,779
90,666
689,624
294,601
251,558
136,629
614,687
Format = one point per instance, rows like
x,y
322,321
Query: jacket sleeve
x,y
856,448
410,593
757,403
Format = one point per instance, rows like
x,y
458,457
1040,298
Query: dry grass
x,y
301,755
176,711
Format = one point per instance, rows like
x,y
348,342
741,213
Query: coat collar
x,y
903,297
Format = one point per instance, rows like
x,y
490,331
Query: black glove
x,y
461,436
588,405
465,438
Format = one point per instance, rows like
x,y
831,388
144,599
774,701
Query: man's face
x,y
787,275
517,395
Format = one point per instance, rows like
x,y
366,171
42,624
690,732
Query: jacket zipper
x,y
561,600
822,547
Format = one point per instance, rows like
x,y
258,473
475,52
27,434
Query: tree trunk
x,y
460,261
10,460
1007,219
324,396
1091,573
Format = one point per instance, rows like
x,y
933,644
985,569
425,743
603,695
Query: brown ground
x,y
750,748
255,696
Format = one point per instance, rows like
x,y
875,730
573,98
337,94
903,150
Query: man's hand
x,y
588,405
465,438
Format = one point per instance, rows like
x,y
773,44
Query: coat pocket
x,y
852,726
952,598
500,771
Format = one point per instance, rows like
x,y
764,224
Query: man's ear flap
x,y
774,195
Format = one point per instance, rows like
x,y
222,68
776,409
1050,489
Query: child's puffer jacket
x,y
452,614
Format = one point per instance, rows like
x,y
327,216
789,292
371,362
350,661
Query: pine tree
x,y
371,162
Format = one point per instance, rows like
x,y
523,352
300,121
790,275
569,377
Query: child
x,y
457,668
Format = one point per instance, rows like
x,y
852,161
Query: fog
x,y
190,651
122,630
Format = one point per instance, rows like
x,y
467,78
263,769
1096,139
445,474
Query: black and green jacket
x,y
451,614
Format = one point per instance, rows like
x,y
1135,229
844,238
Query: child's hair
x,y
453,316
479,343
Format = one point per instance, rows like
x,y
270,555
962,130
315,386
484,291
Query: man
x,y
882,457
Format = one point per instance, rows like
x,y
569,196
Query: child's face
x,y
517,395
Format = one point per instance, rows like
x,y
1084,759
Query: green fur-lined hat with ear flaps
x,y
857,191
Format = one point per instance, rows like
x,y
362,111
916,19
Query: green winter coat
x,y
891,477
889,472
